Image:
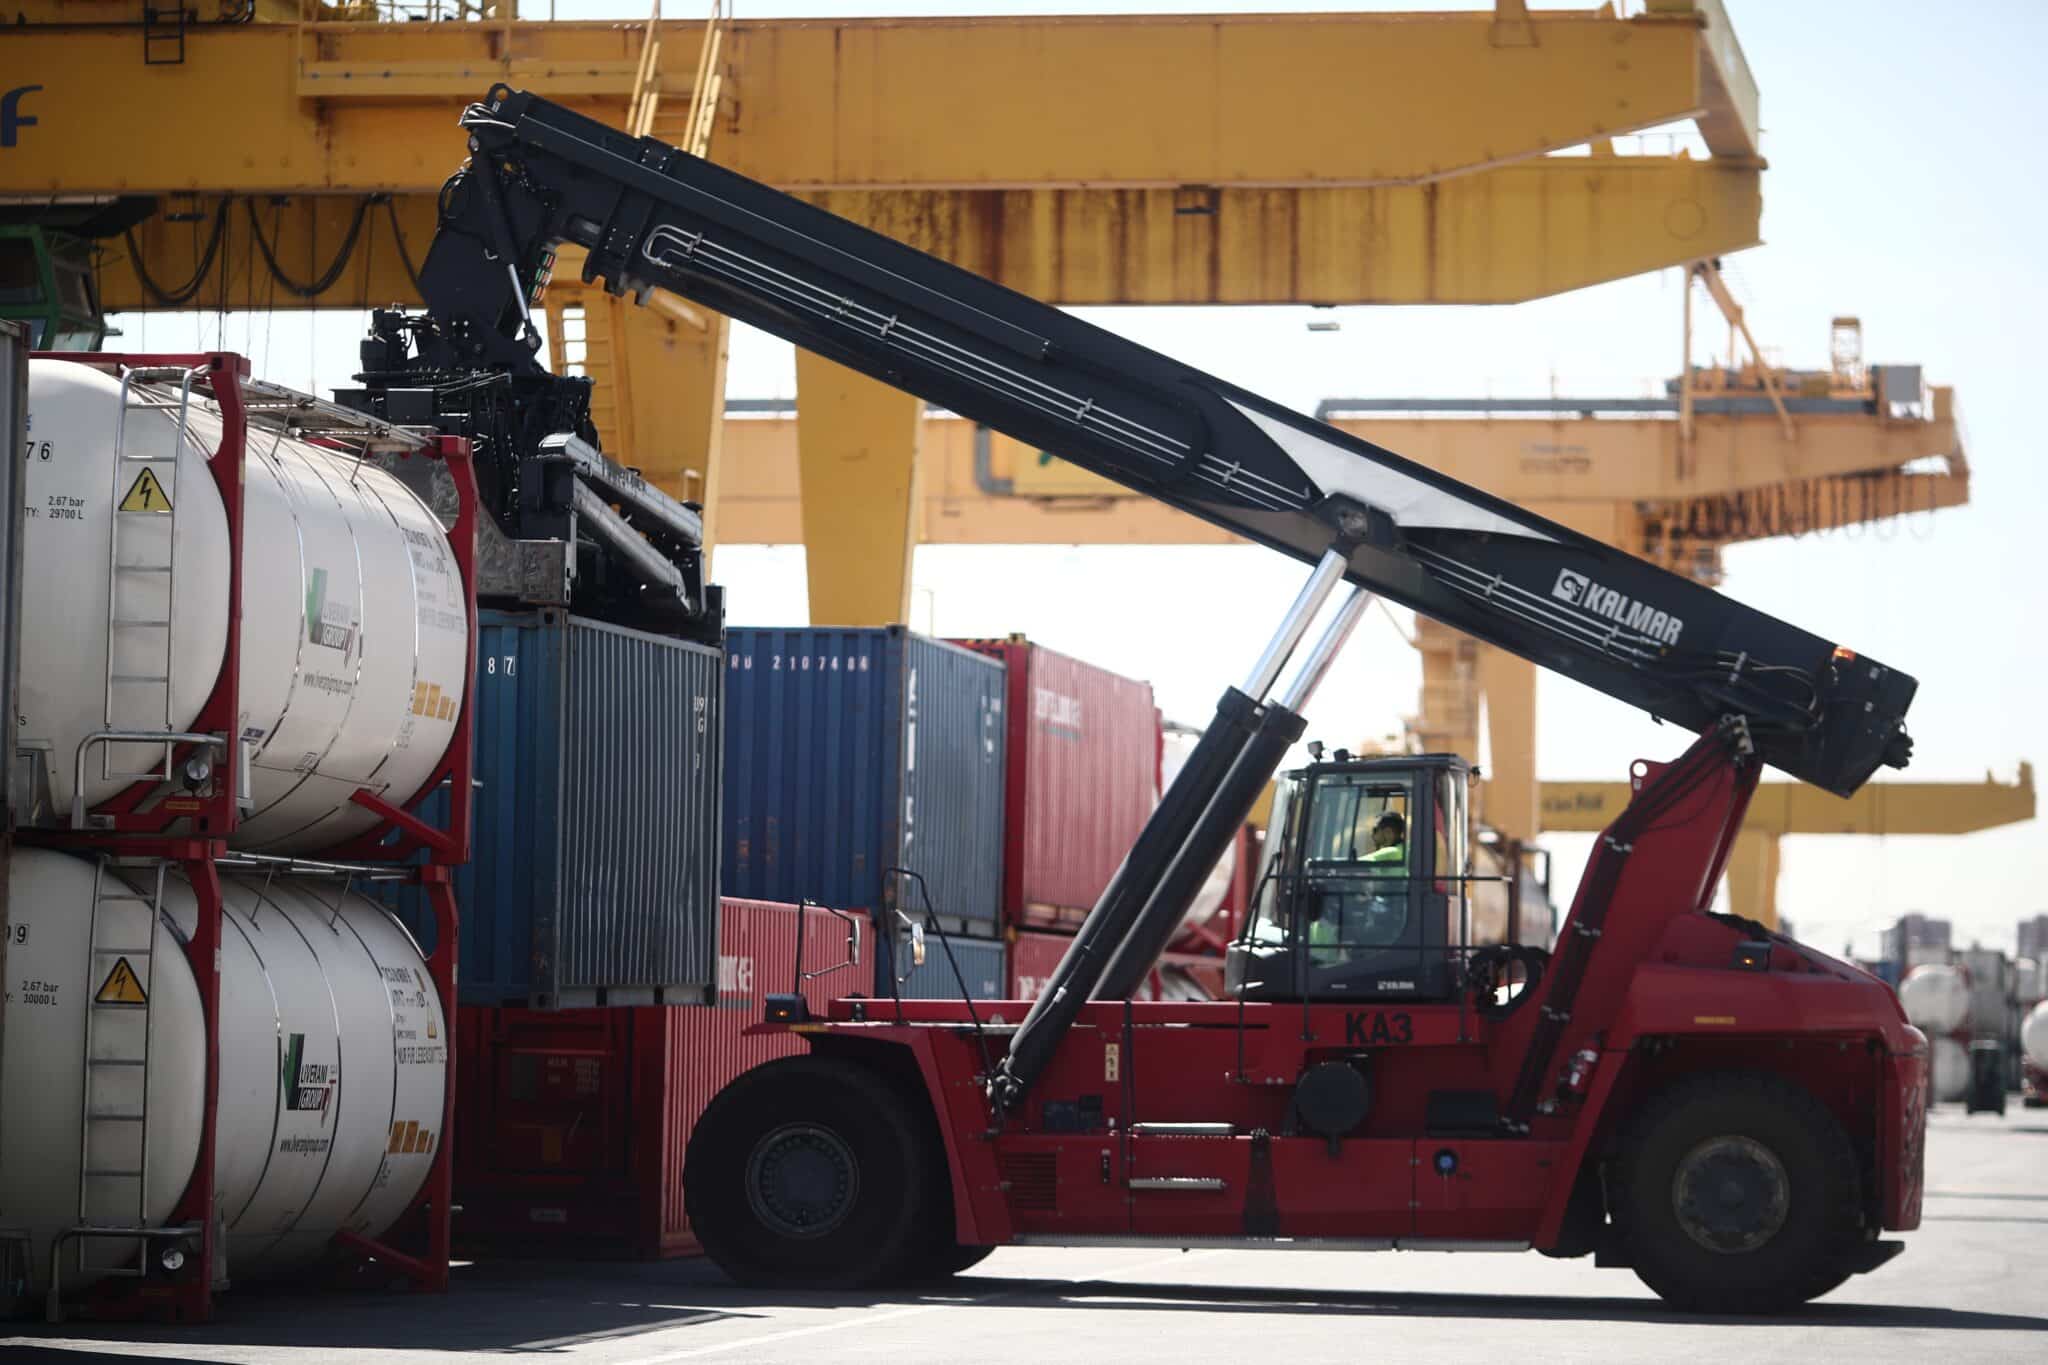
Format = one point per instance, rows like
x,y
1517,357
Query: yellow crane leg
x,y
657,383
1752,877
677,404
857,468
1512,794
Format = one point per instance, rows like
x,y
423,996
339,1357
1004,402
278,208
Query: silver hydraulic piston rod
x,y
1329,569
1280,727
1181,807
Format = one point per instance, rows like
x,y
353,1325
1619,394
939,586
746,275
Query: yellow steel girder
x,y
1880,808
1160,101
1782,808
997,491
1519,232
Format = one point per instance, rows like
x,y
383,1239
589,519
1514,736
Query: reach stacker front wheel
x,y
1737,1192
805,1173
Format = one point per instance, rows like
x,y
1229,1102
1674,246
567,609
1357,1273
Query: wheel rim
x,y
802,1180
1731,1194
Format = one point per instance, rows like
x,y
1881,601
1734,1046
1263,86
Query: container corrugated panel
x,y
1083,770
852,751
1033,956
982,962
573,1124
594,878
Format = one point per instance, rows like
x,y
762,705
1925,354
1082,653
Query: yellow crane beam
x,y
1881,808
984,488
1346,158
1519,232
980,103
1782,808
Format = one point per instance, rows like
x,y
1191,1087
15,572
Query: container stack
x,y
595,875
855,758
1083,775
575,1122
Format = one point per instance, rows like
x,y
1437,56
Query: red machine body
x,y
1165,1121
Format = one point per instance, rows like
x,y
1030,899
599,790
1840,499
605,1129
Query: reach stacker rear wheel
x,y
808,1173
1737,1192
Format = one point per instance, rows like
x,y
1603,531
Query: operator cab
x,y
1362,895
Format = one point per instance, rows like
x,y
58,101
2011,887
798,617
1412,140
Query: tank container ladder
x,y
132,560
113,1159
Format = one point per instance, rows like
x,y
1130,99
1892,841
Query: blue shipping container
x,y
594,877
981,961
848,752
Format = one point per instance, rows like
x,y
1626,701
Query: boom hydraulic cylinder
x,y
1280,726
1158,846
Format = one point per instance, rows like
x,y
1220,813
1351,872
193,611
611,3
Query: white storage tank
x,y
1936,999
2034,1036
333,1064
1950,1064
355,637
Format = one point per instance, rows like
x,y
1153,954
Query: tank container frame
x,y
190,833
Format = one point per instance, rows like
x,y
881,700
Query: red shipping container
x,y
1082,776
1034,955
1032,959
572,1124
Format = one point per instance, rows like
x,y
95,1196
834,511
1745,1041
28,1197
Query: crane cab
x,y
1363,894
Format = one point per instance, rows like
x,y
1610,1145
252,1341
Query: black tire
x,y
808,1173
1787,1206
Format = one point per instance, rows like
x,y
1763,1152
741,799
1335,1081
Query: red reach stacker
x,y
1734,1116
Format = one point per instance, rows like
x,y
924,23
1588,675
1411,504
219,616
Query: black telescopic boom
x,y
652,217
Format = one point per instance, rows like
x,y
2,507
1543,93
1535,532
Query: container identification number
x,y
801,663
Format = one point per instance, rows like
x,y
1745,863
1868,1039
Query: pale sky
x,y
1897,191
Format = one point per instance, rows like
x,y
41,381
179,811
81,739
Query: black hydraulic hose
x,y
184,293
1151,856
412,271
1226,814
327,277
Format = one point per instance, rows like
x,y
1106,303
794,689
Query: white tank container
x,y
2034,1036
1950,1064
1936,999
354,635
333,1067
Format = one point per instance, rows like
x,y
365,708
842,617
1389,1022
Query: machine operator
x,y
1389,843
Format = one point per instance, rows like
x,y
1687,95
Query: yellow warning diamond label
x,y
121,986
146,494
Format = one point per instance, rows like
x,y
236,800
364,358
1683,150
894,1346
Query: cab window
x,y
1359,826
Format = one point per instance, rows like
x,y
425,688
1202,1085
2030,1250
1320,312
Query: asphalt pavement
x,y
1971,1286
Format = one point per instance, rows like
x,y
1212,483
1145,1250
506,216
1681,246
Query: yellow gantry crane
x,y
273,153
1782,808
